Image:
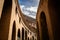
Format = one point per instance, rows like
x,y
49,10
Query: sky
x,y
29,7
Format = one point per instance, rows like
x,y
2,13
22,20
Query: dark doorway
x,y
18,34
14,31
44,26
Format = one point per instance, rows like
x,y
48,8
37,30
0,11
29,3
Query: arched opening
x,y
18,34
25,35
44,26
22,33
14,31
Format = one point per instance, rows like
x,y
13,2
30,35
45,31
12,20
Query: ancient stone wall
x,y
12,25
48,20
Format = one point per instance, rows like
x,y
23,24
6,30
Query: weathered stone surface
x,y
51,10
12,21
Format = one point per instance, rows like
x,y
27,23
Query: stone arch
x,y
51,15
44,28
14,31
43,6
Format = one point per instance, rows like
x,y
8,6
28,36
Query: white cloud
x,y
30,10
25,11
34,9
22,6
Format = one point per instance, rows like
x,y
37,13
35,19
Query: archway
x,y
18,34
14,31
25,35
22,33
44,28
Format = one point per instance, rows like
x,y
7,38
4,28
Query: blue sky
x,y
29,7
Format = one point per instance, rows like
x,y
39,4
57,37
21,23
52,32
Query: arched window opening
x,y
18,34
22,33
25,35
44,28
14,31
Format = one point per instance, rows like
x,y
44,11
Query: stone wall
x,y
48,23
12,25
